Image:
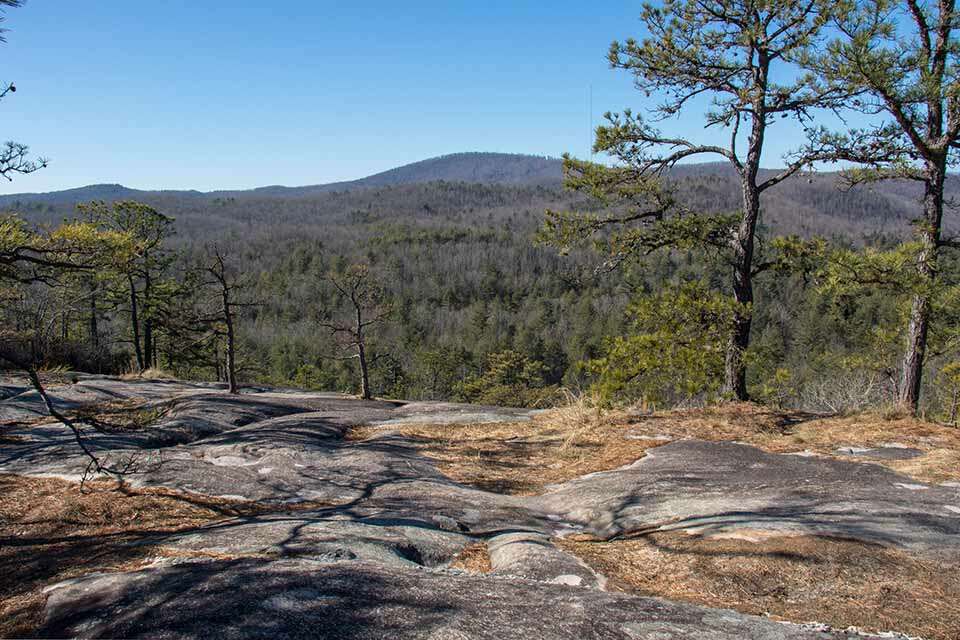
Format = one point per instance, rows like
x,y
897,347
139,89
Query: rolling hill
x,y
480,183
474,167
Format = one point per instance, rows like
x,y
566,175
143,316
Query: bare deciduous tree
x,y
228,284
366,307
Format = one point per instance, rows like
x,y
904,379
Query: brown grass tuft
x,y
474,558
122,415
796,578
523,457
51,531
149,374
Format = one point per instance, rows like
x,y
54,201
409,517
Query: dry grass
x,y
149,374
122,415
801,579
55,376
785,432
474,558
50,531
521,458
940,444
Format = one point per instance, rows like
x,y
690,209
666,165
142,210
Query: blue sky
x,y
214,94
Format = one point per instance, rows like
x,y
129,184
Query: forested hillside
x,y
815,203
480,310
482,168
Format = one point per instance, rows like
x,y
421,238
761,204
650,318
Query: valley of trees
x,y
646,281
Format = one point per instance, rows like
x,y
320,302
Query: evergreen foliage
x,y
674,351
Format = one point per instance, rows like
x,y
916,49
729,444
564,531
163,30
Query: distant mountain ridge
x,y
475,167
805,204
506,169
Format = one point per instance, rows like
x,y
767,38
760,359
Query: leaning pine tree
x,y
742,54
902,57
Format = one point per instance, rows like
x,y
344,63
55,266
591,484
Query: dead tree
x,y
366,306
228,285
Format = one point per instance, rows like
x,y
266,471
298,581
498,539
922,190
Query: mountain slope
x,y
481,185
475,167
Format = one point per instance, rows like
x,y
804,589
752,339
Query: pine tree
x,y
900,58
742,55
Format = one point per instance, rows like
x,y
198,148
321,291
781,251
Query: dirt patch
x,y
474,558
51,531
800,578
521,458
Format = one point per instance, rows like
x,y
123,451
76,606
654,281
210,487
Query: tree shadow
x,y
255,598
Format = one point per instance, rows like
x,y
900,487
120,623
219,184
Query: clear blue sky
x,y
215,94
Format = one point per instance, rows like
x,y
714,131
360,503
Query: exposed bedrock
x,y
359,535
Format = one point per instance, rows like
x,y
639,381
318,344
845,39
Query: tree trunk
x,y
361,353
929,236
735,370
135,324
148,348
231,352
93,328
953,406
364,373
